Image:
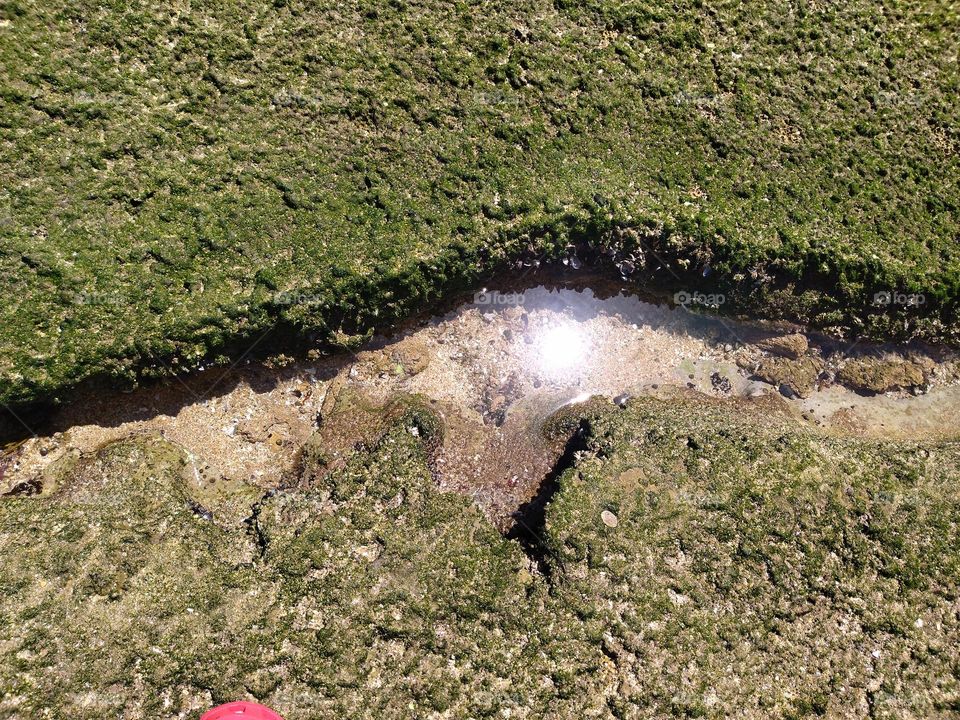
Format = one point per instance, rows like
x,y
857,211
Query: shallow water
x,y
494,369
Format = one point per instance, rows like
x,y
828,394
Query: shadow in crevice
x,y
529,529
253,527
107,407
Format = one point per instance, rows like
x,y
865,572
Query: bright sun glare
x,y
561,348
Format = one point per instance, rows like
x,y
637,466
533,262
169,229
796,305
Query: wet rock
x,y
351,419
497,398
788,392
871,375
277,437
25,488
412,357
790,346
798,377
497,403
745,362
261,431
407,358
200,511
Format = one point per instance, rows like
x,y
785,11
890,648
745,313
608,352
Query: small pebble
x,y
609,519
787,391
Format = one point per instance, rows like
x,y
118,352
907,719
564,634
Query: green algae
x,y
179,180
762,571
752,569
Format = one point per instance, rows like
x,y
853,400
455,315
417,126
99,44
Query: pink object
x,y
240,711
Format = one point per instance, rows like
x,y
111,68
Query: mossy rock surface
x,y
761,572
178,181
696,561
871,375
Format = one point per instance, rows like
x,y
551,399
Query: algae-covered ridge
x,y
697,559
178,179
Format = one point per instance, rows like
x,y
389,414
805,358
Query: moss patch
x,y
704,561
178,181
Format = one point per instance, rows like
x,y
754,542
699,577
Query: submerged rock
x,y
797,377
871,375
